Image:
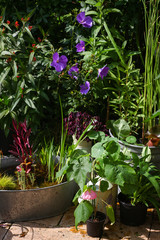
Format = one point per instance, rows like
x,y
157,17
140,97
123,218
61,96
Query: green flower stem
x,y
114,43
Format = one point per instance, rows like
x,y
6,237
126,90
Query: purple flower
x,y
59,63
80,46
85,21
102,72
73,71
85,88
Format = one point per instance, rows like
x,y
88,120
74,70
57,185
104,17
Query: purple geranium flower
x,y
85,21
85,88
59,63
80,46
102,72
73,71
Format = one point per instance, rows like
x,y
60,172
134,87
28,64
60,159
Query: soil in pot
x,y
131,215
95,225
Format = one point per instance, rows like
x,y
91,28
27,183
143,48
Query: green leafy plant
x,y
107,162
145,186
7,182
46,156
24,70
121,129
152,64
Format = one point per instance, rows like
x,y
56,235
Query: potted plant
x,y
107,164
142,192
36,193
121,130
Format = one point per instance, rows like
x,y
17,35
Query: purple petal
x,y
55,57
87,22
73,71
80,46
84,89
80,17
59,63
63,59
102,72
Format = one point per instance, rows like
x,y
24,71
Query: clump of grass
x,y
7,182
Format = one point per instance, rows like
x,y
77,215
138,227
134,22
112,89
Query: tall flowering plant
x,y
81,80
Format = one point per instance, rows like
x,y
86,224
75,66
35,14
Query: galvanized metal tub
x,y
155,151
8,162
32,204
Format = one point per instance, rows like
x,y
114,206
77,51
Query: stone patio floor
x,y
62,227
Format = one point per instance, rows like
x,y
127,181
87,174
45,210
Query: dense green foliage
x,y
32,90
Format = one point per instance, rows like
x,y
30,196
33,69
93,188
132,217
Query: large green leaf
x,y
97,150
79,169
121,128
120,174
110,213
83,212
155,181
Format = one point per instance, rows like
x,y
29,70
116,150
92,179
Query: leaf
x,y
91,13
120,174
31,57
110,213
44,95
146,151
14,69
97,150
83,212
4,113
95,30
104,186
30,103
79,168
14,104
153,181
4,74
6,53
93,134
92,2
29,33
112,147
131,139
121,128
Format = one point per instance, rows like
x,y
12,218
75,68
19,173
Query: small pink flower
x,y
19,169
89,195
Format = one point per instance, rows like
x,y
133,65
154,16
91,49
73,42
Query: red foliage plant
x,y
21,147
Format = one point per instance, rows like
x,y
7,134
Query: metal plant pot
x,y
32,204
8,162
155,151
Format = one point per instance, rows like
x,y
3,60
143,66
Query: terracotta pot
x,y
131,215
95,226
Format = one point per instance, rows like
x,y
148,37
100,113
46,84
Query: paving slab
x,y
4,228
62,227
155,228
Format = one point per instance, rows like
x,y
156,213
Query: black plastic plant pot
x,y
131,215
95,225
